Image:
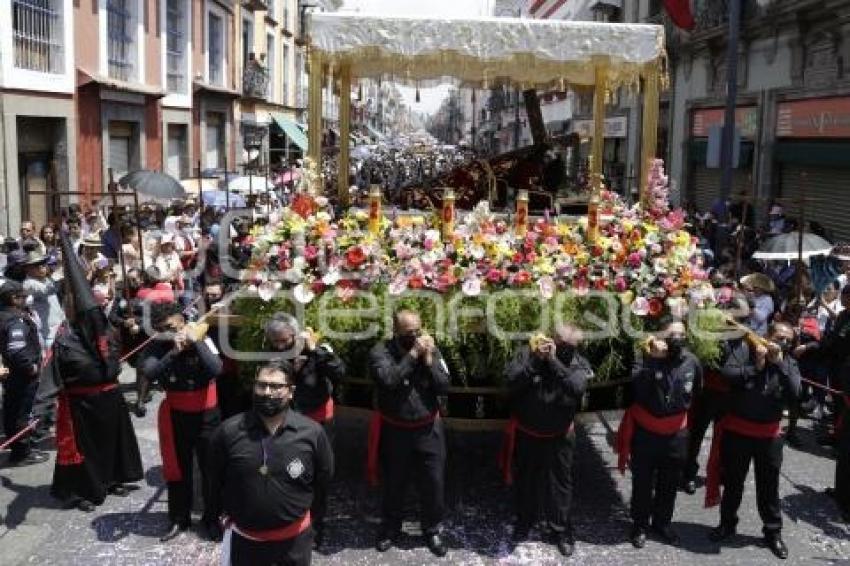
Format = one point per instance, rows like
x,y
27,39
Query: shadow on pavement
x,y
816,509
26,498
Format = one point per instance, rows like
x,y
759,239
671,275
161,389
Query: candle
x,y
374,209
521,222
448,213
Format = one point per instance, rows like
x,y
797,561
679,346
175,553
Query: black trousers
x,y
18,397
293,552
192,435
842,465
544,481
736,454
657,464
707,408
417,455
319,510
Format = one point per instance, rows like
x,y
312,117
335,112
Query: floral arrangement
x,y
646,258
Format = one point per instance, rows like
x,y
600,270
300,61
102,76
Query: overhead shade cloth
x,y
486,51
291,129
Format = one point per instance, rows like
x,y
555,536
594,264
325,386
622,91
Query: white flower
x,y
331,277
547,286
472,287
398,286
640,306
476,251
303,294
267,290
293,275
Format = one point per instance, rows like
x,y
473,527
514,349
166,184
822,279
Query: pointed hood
x,y
90,322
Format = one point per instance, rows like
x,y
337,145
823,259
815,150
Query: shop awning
x,y
291,129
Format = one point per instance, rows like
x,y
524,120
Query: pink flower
x,y
635,260
522,277
620,284
311,252
494,275
547,287
580,286
640,306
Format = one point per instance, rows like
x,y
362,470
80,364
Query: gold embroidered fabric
x,y
484,52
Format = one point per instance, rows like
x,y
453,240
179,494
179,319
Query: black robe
x,y
96,443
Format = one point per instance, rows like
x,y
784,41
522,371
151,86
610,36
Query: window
x,y
285,22
38,30
270,9
178,153
284,75
121,36
301,96
247,41
176,32
215,49
215,140
270,63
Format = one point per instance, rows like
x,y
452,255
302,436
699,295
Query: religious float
x,y
483,282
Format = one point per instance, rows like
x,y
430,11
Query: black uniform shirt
x,y
834,350
298,459
19,343
407,388
189,370
665,386
760,395
546,393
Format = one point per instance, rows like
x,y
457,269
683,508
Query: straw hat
x,y
758,281
92,241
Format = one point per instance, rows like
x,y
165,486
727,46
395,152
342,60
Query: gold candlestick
x,y
521,222
374,209
448,213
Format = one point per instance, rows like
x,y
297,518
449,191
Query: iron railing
x,y
255,80
39,35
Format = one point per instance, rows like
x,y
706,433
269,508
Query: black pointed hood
x,y
90,321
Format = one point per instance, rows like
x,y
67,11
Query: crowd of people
x,y
81,297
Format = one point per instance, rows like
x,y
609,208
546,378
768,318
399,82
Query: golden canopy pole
x,y
314,117
598,146
649,124
344,127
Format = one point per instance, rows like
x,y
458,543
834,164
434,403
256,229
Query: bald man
x,y
406,430
546,382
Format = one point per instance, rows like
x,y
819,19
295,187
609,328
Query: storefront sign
x,y
817,118
616,127
746,119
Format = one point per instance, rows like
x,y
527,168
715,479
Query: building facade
x,y
793,106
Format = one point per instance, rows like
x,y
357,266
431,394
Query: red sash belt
x,y
373,442
67,453
196,401
506,454
290,531
323,413
665,426
738,426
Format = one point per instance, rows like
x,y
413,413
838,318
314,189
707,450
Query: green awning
x,y
291,129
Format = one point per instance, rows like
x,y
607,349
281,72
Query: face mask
x,y
676,345
785,345
407,342
268,406
565,353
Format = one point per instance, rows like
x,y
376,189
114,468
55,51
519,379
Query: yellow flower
x,y
544,266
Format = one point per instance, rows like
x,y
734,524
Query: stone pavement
x,y
125,531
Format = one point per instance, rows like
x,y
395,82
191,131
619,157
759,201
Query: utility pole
x,y
728,139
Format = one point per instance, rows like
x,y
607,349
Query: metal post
x,y
728,138
139,230
113,190
344,128
314,110
598,144
226,186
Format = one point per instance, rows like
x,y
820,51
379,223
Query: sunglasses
x,y
274,387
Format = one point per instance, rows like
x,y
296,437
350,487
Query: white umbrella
x,y
250,184
787,247
195,185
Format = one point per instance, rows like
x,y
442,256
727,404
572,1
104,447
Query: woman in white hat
x,y
167,260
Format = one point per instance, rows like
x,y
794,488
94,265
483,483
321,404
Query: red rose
x,y
355,256
522,278
596,251
531,257
303,205
311,253
317,287
600,284
655,307
517,257
494,275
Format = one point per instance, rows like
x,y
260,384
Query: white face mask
x,y
29,301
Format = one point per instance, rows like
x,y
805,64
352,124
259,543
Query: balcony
x,y
255,5
255,80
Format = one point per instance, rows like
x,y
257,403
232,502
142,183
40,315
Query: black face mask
x,y
565,353
268,406
407,342
785,345
675,346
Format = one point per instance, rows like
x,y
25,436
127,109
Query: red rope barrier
x,y
23,432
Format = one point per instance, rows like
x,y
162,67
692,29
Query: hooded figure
x,y
97,450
